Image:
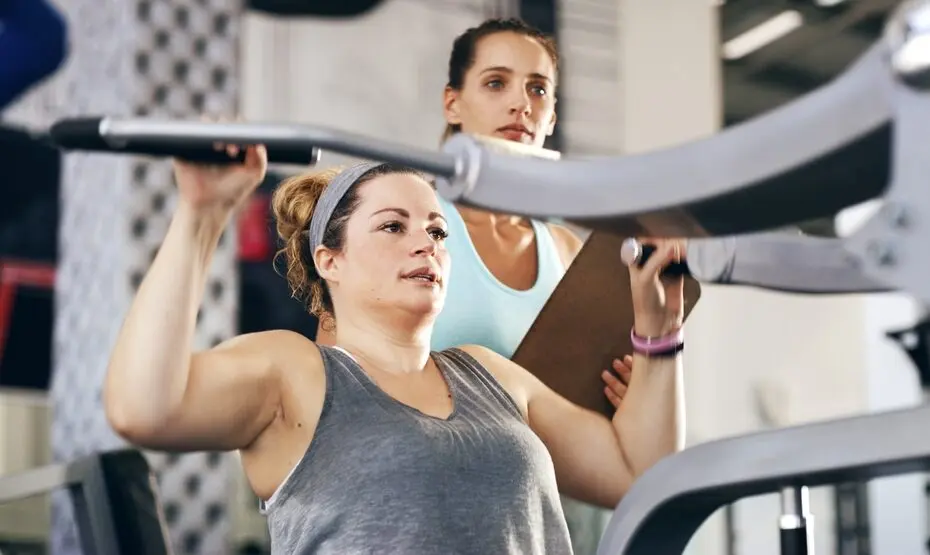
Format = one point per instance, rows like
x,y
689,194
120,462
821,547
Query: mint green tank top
x,y
481,310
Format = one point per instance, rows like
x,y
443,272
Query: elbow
x,y
125,421
638,464
130,420
135,430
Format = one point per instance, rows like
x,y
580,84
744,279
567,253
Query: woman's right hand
x,y
208,187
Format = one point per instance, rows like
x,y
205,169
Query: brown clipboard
x,y
586,323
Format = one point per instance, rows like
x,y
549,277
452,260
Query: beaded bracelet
x,y
665,345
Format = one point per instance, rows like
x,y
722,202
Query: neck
x,y
478,217
389,343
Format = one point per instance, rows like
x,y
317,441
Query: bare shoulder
x,y
488,358
567,242
271,342
282,350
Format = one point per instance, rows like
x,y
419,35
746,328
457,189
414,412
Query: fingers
x,y
624,368
667,251
616,385
613,398
254,156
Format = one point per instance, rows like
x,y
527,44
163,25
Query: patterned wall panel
x,y
186,64
165,58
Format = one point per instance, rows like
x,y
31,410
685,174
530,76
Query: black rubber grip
x,y
84,134
674,269
207,154
78,133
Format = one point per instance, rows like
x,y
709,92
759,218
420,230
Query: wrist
x,y
200,227
663,345
645,327
202,219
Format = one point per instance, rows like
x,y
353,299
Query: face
x,y
508,92
394,256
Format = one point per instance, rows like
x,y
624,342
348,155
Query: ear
x,y
450,106
326,264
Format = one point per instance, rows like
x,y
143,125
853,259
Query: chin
x,y
422,308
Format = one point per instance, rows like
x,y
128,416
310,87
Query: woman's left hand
x,y
658,301
617,382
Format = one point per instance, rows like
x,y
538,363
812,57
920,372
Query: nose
x,y
519,102
425,244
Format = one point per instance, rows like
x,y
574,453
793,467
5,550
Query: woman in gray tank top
x,y
376,444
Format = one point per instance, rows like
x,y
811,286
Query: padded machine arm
x,y
749,178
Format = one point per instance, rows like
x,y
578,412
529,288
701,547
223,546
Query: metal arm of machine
x,y
85,481
793,164
667,505
780,261
860,137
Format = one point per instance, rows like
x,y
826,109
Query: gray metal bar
x,y
667,505
667,191
780,261
86,484
38,481
92,509
689,190
851,525
190,133
892,245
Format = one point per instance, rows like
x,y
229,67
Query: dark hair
x,y
293,203
463,51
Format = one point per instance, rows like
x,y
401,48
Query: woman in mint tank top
x,y
501,83
378,443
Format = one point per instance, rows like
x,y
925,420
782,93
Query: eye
x,y
538,90
494,84
439,233
392,227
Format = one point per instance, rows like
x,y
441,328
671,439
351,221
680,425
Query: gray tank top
x,y
382,477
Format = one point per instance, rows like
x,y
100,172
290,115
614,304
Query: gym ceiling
x,y
777,50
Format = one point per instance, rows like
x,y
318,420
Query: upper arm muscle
x,y
586,452
233,393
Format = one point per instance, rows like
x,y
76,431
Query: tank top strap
x,y
342,368
550,262
480,390
351,388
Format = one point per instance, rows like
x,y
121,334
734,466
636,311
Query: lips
x,y
515,128
424,274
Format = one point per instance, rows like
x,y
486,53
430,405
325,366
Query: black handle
x,y
794,541
675,269
277,153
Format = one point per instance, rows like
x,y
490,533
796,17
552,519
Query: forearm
x,y
650,423
149,366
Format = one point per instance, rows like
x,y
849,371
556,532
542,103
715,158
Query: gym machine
x,y
863,136
115,504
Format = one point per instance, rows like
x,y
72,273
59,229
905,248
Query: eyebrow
x,y
504,69
405,214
